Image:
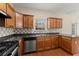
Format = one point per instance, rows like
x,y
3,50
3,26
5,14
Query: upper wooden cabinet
x,y
28,21
19,20
10,23
54,22
3,7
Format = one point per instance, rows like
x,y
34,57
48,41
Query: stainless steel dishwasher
x,y
30,44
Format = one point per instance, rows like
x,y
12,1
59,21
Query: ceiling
x,y
50,7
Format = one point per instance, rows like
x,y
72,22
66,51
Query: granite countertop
x,y
36,34
69,35
16,37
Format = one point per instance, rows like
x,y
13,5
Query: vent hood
x,y
4,15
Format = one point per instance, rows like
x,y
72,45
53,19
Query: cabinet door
x,y
21,47
59,23
52,23
3,7
40,43
10,22
66,44
26,21
19,20
59,41
47,43
30,21
54,41
55,23
75,45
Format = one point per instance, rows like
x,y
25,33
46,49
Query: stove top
x,y
4,46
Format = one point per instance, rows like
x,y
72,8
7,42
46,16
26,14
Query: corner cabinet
x,y
28,21
19,20
66,43
10,23
54,22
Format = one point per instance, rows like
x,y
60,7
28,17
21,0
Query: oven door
x,y
30,46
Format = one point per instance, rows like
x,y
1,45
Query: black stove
x,y
5,46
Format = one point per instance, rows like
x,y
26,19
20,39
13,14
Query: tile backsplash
x,y
6,31
9,31
25,31
22,31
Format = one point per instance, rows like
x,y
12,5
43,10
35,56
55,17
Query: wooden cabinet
x,y
54,22
67,43
21,47
47,43
51,23
59,41
40,43
75,45
28,21
59,23
54,40
3,7
19,20
10,23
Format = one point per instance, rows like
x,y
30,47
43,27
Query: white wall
x,y
68,20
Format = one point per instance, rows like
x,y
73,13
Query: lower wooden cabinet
x,y
59,41
21,47
67,43
54,40
75,45
40,43
47,43
50,42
